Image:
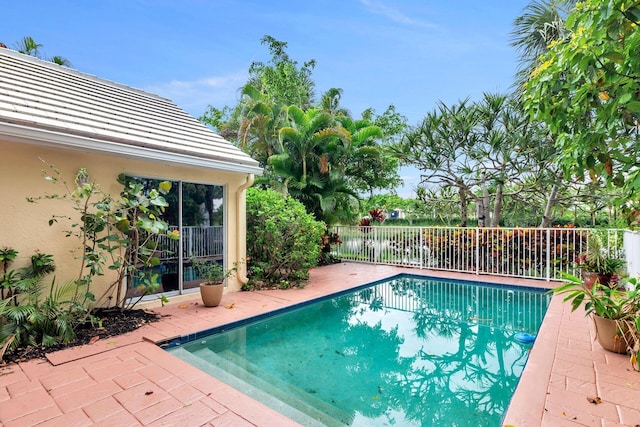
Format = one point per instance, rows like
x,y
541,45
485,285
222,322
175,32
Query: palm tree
x,y
28,46
363,159
303,139
542,22
259,122
331,102
307,162
60,60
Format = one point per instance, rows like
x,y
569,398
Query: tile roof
x,y
44,103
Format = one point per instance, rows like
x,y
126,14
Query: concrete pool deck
x,y
127,380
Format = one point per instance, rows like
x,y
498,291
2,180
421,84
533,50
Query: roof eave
x,y
29,135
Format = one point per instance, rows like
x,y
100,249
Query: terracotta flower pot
x,y
608,336
590,278
211,294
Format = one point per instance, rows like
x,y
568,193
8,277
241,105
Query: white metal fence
x,y
539,253
196,242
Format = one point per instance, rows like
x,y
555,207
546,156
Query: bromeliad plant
x,y
599,261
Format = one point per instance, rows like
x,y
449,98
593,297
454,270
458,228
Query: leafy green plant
x,y
619,304
604,301
15,282
29,317
212,271
283,240
597,260
41,321
117,234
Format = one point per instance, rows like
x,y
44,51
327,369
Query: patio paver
x,y
128,380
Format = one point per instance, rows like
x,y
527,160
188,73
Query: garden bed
x,y
114,321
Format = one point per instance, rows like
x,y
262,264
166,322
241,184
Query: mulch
x,y
113,321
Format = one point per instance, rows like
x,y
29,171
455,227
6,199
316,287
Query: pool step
x,y
279,395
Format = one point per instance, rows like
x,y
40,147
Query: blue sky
x,y
197,52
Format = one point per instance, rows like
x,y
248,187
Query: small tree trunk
x,y
551,201
486,202
497,207
463,206
480,212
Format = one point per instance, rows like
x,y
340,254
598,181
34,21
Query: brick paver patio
x,y
129,381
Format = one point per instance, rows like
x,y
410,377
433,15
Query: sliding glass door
x,y
197,212
202,228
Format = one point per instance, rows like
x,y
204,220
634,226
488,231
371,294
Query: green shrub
x,y
283,240
28,316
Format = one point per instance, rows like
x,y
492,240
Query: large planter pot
x,y
211,293
608,335
590,278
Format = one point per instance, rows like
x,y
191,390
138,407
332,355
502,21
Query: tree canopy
x,y
586,90
313,150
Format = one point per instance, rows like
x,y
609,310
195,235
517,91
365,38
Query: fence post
x,y
375,242
421,252
477,250
548,254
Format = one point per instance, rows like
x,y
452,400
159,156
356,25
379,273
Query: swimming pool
x,y
407,351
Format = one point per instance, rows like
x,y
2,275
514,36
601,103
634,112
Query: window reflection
x,y
197,211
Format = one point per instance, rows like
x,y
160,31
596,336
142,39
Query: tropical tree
x,y
384,176
259,123
440,147
586,90
314,151
304,163
541,23
28,46
281,79
487,151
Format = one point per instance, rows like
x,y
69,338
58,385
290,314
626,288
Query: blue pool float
x,y
524,337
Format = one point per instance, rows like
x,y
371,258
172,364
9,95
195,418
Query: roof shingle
x,y
42,102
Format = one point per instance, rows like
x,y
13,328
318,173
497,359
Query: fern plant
x,y
40,322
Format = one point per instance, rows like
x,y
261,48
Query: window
x,y
197,212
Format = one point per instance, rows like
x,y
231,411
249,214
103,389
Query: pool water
x,y
405,352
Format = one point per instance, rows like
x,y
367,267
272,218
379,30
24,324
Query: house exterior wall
x,y
24,226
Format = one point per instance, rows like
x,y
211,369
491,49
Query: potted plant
x,y
615,312
598,265
214,275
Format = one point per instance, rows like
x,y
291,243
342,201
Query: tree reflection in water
x,y
406,352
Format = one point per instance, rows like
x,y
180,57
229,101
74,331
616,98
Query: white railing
x,y
539,253
196,242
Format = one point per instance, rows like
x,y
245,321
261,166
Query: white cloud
x,y
194,96
377,7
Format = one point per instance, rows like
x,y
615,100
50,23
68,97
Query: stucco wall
x,y
24,226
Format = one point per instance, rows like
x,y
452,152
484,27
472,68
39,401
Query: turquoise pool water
x,y
405,352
